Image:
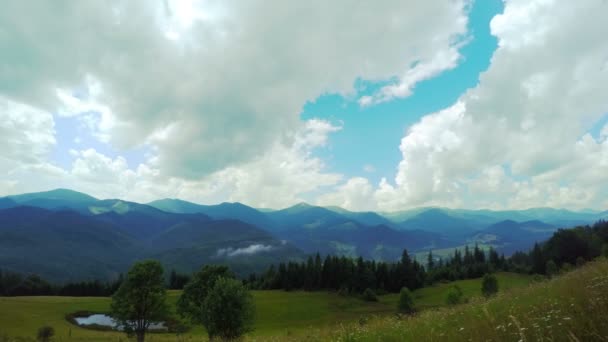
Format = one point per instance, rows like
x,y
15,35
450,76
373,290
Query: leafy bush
x,y
222,304
551,268
369,295
489,285
406,302
231,307
454,295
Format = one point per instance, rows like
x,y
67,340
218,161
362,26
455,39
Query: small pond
x,y
107,321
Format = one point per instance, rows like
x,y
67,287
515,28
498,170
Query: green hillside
x,y
279,314
572,307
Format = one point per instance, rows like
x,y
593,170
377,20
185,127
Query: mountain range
x,y
66,235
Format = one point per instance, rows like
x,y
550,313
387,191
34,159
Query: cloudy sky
x,y
367,105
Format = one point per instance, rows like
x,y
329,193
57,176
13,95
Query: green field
x,y
279,314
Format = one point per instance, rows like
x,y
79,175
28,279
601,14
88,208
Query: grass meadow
x,y
571,307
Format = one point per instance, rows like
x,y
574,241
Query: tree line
x,y
339,273
567,248
16,284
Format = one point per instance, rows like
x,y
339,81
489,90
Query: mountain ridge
x,y
199,233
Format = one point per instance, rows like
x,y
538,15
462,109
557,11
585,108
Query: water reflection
x,y
107,321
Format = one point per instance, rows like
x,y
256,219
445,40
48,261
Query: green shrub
x,y
231,309
214,299
369,295
406,302
454,295
489,285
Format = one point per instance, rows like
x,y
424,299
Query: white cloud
x,y
544,89
604,133
443,60
234,76
219,101
243,251
91,166
356,194
28,135
276,179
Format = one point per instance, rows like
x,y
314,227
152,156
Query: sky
x,y
379,106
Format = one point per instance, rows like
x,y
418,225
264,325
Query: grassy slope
x,y
279,313
572,307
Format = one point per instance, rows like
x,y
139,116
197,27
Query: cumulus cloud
x,y
214,84
443,60
28,134
215,89
519,138
243,251
27,139
276,179
356,194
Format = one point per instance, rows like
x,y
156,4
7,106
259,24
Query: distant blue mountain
x,y
85,231
62,245
57,199
510,236
244,247
67,245
7,203
438,221
369,218
305,216
57,195
224,210
337,231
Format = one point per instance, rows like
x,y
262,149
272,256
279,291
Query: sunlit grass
x,y
572,307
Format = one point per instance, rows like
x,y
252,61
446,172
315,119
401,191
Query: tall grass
x,y
572,307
